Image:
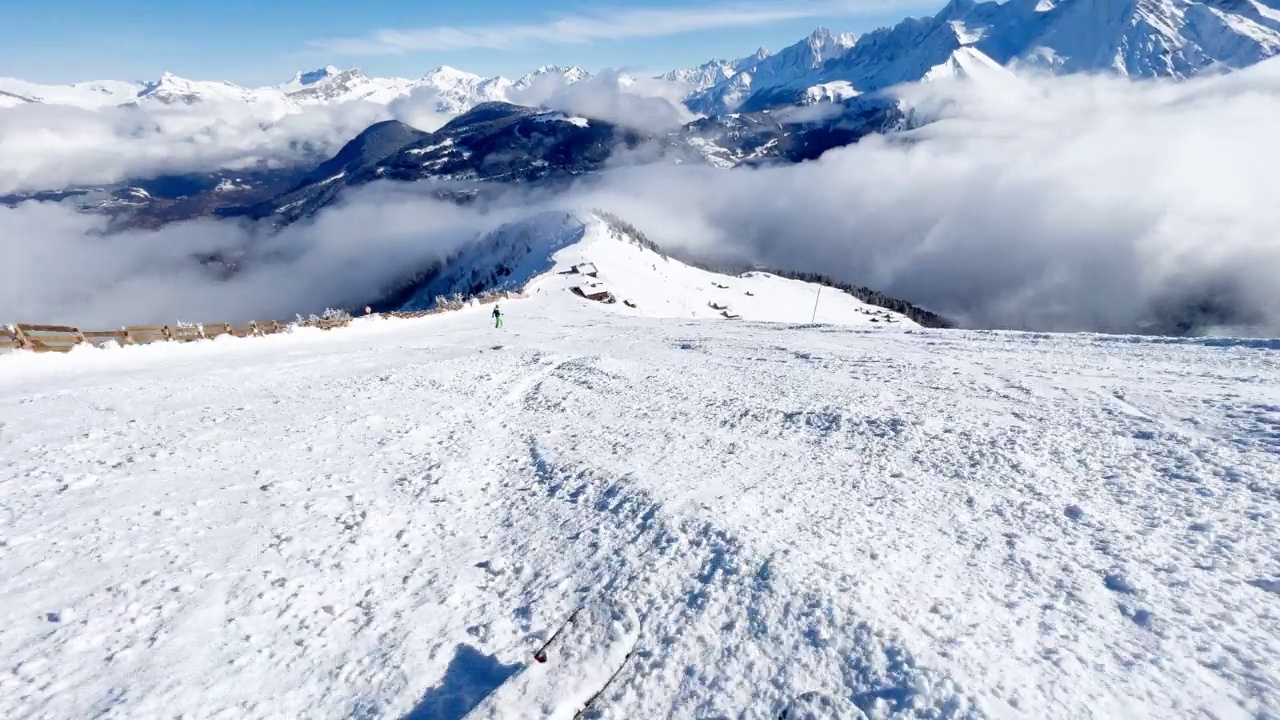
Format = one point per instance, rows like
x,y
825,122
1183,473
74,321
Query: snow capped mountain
x,y
1141,38
455,91
568,75
306,79
913,50
783,69
331,85
1144,38
712,73
702,77
97,94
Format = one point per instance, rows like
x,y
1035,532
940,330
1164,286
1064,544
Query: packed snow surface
x,y
385,521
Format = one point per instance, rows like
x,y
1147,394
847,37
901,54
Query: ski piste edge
x,y
571,670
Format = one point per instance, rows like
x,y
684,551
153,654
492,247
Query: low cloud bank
x,y
1079,203
645,104
52,147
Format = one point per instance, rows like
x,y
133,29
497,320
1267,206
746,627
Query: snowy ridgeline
x,y
386,521
546,253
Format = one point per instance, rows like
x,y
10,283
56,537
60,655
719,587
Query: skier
x,y
497,316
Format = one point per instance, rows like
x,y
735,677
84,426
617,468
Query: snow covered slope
x,y
386,521
539,255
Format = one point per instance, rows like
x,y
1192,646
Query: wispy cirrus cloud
x,y
597,24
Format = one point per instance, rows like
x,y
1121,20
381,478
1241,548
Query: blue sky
x,y
262,42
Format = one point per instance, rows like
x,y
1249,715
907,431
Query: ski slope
x,y
662,287
385,521
542,254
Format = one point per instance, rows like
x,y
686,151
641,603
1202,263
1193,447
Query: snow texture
x,y
385,521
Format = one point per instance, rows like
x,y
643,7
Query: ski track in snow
x,y
385,521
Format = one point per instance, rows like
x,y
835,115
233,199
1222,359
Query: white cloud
x,y
420,109
65,271
650,105
605,23
1054,203
46,147
1057,203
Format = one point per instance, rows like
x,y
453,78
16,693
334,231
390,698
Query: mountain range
x,y
502,133
455,91
1139,38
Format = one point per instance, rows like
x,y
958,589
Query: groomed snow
x,y
384,521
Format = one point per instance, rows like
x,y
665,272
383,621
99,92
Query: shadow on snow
x,y
470,677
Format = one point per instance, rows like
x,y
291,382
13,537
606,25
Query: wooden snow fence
x,y
48,338
62,338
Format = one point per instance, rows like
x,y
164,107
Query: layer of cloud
x,y
1077,203
645,104
420,109
1054,203
53,147
603,23
65,271
46,147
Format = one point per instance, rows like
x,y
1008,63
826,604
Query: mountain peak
x,y
823,40
446,70
315,76
956,8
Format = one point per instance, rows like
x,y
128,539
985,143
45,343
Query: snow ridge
x,y
539,254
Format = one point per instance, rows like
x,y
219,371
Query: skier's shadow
x,y
470,677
